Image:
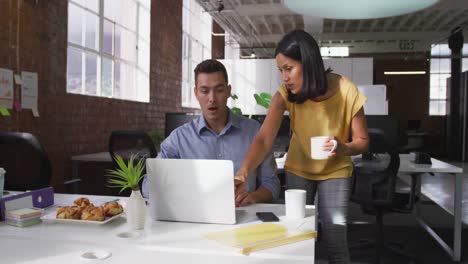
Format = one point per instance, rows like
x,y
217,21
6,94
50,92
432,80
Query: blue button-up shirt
x,y
195,140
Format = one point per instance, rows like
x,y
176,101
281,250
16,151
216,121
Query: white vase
x,y
136,211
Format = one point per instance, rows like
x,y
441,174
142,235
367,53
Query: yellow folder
x,y
261,236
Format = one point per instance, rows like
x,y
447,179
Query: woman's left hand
x,y
340,149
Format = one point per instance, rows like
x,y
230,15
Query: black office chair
x,y
131,142
25,160
373,188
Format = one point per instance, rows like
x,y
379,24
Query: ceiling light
x,y
356,9
218,34
334,51
404,72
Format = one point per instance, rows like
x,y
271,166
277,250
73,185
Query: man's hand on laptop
x,y
244,198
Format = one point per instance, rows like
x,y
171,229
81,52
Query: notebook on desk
x,y
191,190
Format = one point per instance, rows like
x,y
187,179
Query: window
x,y
196,46
440,71
109,48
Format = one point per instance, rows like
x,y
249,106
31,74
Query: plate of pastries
x,y
82,210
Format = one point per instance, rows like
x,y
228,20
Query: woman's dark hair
x,y
301,46
210,66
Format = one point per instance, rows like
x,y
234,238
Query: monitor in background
x,y
281,144
413,125
174,120
388,125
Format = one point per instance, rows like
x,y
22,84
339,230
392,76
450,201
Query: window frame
x,y
193,10
443,48
132,66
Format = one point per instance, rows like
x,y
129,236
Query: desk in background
x,y
453,207
416,140
159,242
89,169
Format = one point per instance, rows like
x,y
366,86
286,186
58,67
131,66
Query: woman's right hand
x,y
239,181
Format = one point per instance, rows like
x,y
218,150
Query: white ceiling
x,y
261,24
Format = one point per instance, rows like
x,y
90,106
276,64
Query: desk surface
x,y
93,157
166,242
406,166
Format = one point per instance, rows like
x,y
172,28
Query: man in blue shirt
x,y
220,134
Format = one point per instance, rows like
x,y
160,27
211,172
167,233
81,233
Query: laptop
x,y
190,190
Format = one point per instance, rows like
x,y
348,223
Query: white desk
x,y
437,166
159,242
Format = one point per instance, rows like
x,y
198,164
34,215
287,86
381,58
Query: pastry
x,y
82,202
112,208
93,213
68,212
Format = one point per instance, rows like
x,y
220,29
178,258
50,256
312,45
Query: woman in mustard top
x,y
320,103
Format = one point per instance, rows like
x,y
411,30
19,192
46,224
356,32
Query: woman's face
x,y
291,72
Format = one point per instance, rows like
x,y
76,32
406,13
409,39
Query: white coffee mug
x,y
295,202
316,144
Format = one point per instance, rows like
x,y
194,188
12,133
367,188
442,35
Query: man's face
x,y
212,93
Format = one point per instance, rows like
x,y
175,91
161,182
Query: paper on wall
x,y
6,88
29,90
4,112
18,79
377,103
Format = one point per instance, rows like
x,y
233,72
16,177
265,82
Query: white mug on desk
x,y
295,202
316,145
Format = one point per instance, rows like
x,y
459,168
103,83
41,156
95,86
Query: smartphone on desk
x,y
267,217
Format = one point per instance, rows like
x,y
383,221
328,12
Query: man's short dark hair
x,y
301,46
210,66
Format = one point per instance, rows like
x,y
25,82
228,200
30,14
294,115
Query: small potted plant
x,y
128,176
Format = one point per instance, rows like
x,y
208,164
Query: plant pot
x,y
136,211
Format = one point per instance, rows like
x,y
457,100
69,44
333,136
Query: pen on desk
x,y
303,222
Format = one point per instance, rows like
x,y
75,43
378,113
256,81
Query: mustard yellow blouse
x,y
331,117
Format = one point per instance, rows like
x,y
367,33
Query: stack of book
x,y
24,217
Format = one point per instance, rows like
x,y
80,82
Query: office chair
x,y
131,142
25,160
373,188
174,120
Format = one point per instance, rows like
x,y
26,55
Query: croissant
x,y
68,212
93,213
82,202
112,208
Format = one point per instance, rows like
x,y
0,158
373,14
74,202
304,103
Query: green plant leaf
x,y
236,110
127,175
157,137
266,96
263,99
234,97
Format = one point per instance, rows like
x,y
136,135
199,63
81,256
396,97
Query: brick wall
x,y
33,37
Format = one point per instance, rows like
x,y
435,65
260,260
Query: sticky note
x,y
17,106
35,112
18,79
24,213
4,112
